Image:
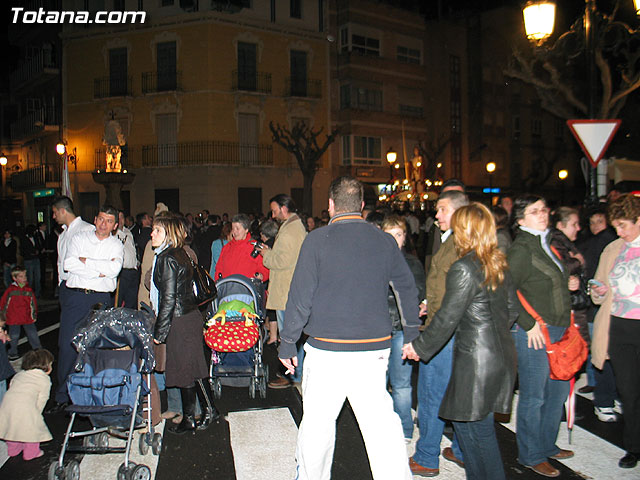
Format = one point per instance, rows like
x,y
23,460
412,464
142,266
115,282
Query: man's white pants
x,y
330,377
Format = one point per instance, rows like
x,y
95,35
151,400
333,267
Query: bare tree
x,y
558,71
302,142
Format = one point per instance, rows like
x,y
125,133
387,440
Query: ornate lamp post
x,y
391,158
592,35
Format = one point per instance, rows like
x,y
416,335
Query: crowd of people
x,y
376,295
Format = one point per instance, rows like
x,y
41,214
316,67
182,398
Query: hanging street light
x,y
539,17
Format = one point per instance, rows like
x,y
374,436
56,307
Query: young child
x,y
21,423
19,308
6,370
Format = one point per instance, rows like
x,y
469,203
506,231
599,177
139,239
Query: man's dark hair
x,y
453,182
284,200
40,358
346,193
109,210
269,228
213,219
63,202
376,218
457,198
139,217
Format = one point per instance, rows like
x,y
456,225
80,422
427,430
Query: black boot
x,y
209,412
188,423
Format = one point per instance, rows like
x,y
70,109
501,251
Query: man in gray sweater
x,y
338,296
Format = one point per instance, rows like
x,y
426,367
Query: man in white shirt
x,y
127,291
89,263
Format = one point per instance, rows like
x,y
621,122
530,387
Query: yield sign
x,y
594,136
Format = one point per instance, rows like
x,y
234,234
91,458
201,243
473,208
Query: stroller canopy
x,y
115,328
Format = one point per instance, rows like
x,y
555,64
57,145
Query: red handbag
x,y
567,355
238,336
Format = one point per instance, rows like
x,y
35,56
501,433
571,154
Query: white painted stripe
x,y
263,444
594,457
42,332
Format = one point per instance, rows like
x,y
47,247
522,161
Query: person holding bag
x,y
179,323
539,276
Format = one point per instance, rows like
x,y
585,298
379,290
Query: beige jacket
x,y
281,261
145,274
21,409
600,339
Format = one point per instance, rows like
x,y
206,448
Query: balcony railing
x,y
35,178
192,154
35,122
411,111
31,68
161,82
251,82
296,87
105,87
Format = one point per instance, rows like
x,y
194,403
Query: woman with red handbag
x,y
179,323
541,279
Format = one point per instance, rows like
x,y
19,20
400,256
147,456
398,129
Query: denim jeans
x,y
540,402
33,275
14,333
6,274
590,369
399,374
433,379
297,376
482,459
3,388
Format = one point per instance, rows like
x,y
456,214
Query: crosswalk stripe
x,y
263,444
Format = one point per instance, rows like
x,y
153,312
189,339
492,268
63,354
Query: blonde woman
x,y
479,306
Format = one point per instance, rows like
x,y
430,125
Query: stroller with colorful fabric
x,y
110,386
235,332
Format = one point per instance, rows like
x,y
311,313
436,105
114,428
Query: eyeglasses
x,y
536,211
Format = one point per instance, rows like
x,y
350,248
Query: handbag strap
x,y
531,311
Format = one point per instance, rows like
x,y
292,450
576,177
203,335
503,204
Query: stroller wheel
x,y
56,472
156,443
263,382
140,472
123,473
252,387
217,387
72,470
144,443
102,440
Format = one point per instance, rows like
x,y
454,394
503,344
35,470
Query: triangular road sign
x,y
594,136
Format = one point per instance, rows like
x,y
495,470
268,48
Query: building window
x,y
366,150
408,55
166,3
360,98
247,73
295,8
344,39
166,68
536,127
455,117
365,45
516,127
246,3
118,78
298,67
248,135
454,72
346,150
167,135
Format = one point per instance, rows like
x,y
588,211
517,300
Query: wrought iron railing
x,y
34,178
191,154
116,86
251,81
34,122
296,87
33,67
164,81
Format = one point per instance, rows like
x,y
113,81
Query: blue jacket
x,y
338,294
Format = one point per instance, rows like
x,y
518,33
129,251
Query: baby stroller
x,y
240,299
115,354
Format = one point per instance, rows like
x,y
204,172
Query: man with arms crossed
x,y
338,295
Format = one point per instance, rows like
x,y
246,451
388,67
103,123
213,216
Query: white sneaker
x,y
605,414
617,407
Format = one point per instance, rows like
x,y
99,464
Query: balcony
x,y
296,87
411,111
169,81
251,81
43,120
35,70
106,87
189,154
35,178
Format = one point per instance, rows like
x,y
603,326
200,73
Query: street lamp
x,y
61,148
562,175
391,158
3,159
491,167
539,17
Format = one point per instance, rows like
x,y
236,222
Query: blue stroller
x,y
240,369
113,368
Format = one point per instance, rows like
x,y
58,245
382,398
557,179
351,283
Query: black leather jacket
x,y
172,276
484,355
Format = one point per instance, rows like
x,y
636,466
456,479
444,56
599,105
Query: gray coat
x,y
484,355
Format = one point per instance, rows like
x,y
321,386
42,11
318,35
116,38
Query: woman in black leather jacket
x,y
179,323
479,306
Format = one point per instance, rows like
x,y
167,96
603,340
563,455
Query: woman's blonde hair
x,y
393,221
475,230
173,227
